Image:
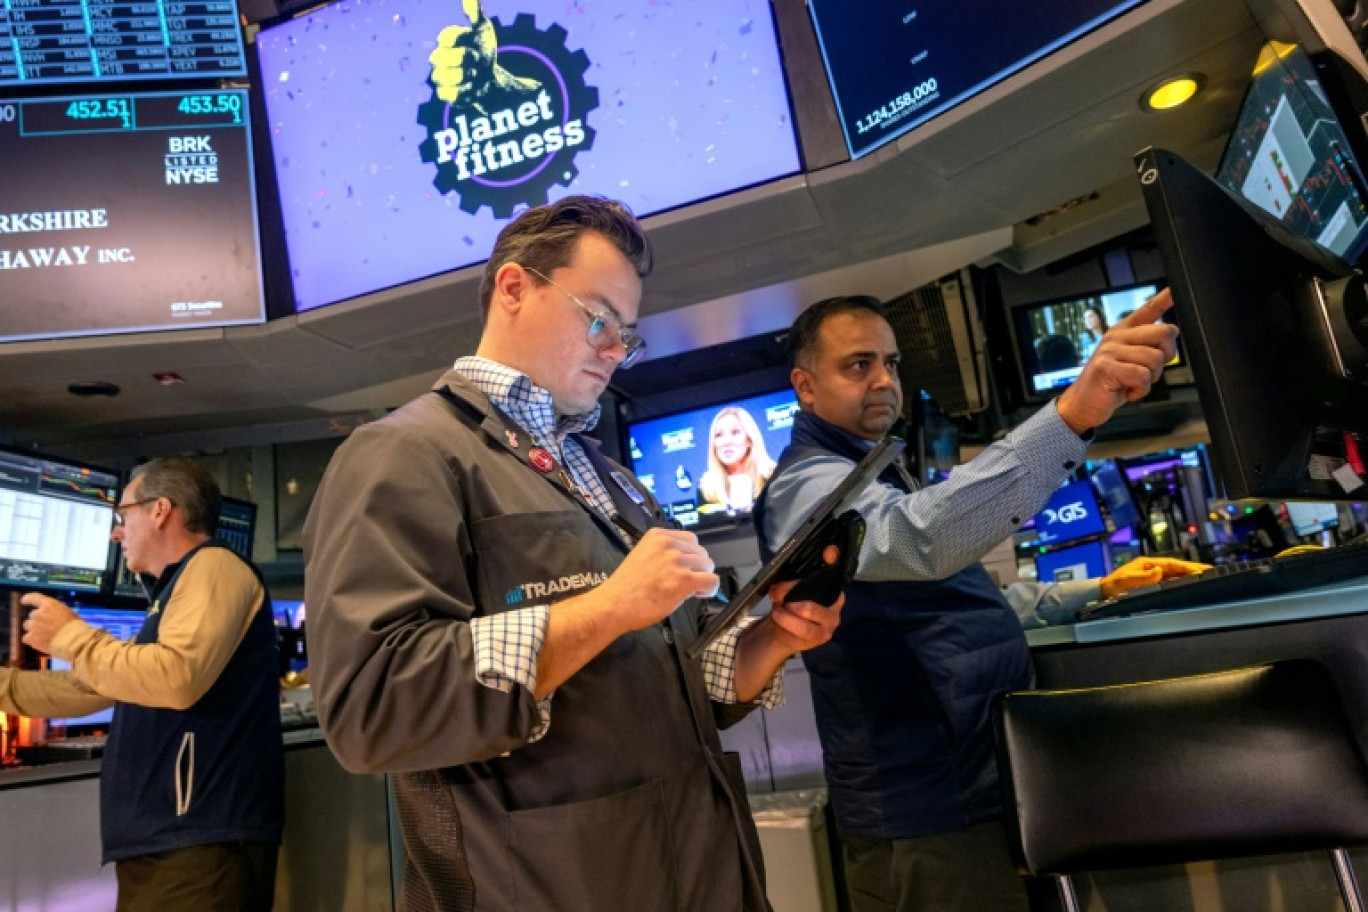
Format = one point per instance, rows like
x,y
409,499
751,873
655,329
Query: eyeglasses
x,y
118,511
605,330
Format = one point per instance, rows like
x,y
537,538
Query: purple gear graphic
x,y
559,167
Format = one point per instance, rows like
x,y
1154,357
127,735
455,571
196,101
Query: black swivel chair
x,y
1257,761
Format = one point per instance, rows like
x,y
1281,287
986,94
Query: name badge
x,y
628,488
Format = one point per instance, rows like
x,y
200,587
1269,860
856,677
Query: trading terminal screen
x,y
55,520
1289,155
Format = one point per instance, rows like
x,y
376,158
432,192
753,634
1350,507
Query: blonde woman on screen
x,y
738,464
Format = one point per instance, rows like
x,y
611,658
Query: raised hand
x,y
1127,362
465,66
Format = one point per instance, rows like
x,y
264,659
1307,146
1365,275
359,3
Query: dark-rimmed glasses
x,y
118,511
605,330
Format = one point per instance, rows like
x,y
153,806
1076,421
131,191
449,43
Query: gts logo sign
x,y
1066,514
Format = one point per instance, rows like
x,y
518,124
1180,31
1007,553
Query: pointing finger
x,y
1151,310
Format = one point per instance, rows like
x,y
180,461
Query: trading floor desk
x,y
1328,624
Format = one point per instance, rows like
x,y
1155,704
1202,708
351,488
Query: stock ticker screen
x,y
126,213
88,41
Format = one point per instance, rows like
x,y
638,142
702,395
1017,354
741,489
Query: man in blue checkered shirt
x,y
494,619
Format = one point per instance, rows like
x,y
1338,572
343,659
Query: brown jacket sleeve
x,y
391,660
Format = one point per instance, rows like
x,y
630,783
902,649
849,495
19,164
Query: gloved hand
x,y
465,65
1146,571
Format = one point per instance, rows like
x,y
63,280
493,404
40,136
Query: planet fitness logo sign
x,y
507,114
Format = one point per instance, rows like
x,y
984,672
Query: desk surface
x,y
1349,597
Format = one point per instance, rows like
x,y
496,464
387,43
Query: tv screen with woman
x,y
706,466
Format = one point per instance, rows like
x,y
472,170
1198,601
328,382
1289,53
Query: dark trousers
x,y
226,877
966,870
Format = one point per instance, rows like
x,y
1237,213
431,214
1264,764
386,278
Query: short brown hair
x,y
805,334
186,484
544,238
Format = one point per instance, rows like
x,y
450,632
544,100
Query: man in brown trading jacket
x,y
493,617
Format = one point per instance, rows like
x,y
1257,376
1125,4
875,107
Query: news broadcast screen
x,y
405,135
707,466
126,213
1055,338
895,65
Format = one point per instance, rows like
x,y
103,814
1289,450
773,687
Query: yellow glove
x,y
465,63
1146,571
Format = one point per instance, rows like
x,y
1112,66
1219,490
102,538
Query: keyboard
x,y
85,747
1240,581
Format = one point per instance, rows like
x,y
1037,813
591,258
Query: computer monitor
x,y
1070,513
1312,518
237,526
1088,560
706,466
120,624
55,520
1110,484
1277,332
1290,155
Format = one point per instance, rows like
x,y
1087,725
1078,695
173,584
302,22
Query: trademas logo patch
x,y
507,114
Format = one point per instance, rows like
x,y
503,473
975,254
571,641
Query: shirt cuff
x,y
506,649
719,670
1052,445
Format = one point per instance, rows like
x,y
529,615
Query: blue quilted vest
x,y
209,774
904,690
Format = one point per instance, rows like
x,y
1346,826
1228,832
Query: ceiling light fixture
x,y
1172,92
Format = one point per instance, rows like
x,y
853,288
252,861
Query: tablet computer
x,y
801,554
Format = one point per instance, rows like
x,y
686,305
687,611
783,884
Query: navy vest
x,y
904,690
212,773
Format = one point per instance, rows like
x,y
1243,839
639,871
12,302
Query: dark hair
x,y
805,334
186,484
1054,352
544,238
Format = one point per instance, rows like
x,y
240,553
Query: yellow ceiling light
x,y
1173,92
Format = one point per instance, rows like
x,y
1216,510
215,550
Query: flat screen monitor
x,y
45,42
895,65
1054,338
1112,489
1289,154
1088,560
237,526
383,180
1311,518
1277,331
126,213
1070,513
707,466
55,520
120,624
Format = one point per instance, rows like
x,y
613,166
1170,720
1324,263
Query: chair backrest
x,y
1255,761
